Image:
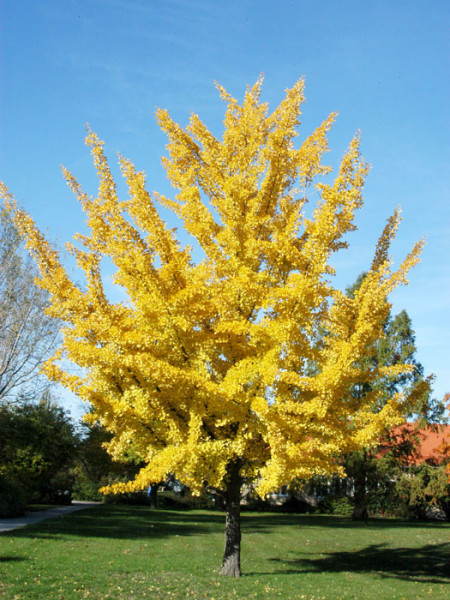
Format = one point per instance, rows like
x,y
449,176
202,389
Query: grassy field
x,y
126,553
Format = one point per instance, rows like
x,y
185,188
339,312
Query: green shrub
x,y
59,490
336,505
342,507
134,498
85,489
184,500
12,499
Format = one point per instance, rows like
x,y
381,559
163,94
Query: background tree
x,y
37,450
397,345
206,369
27,335
94,467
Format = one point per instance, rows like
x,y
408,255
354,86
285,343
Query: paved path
x,y
41,515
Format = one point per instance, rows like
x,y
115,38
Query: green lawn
x,y
123,552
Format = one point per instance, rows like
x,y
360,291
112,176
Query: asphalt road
x,y
52,513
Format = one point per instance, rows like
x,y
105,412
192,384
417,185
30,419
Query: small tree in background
x,y
206,369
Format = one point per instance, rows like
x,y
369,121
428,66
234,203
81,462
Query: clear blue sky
x,y
384,65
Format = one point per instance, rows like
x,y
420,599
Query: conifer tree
x,y
206,369
396,346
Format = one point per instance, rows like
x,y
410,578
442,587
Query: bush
x,y
134,498
12,499
59,490
342,507
185,500
296,505
336,505
84,489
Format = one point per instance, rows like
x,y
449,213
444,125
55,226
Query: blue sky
x,y
384,65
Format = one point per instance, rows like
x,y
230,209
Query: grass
x,y
126,553
39,507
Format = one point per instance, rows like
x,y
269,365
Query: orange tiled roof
x,y
432,443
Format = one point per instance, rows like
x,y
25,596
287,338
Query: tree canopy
x,y
220,370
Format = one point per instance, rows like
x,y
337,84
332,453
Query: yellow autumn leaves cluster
x,y
250,353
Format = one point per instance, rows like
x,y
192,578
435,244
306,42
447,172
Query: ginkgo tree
x,y
239,366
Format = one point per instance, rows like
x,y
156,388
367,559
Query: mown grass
x,y
126,553
39,507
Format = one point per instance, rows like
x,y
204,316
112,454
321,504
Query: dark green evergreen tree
x,y
398,346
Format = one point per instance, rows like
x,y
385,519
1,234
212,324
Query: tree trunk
x,y
231,564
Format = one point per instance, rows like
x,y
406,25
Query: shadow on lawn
x,y
428,564
11,559
257,521
124,522
139,522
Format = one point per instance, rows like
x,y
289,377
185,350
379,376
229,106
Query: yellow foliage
x,y
252,353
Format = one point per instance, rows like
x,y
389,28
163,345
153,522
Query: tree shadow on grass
x,y
12,558
427,564
257,521
123,522
140,522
